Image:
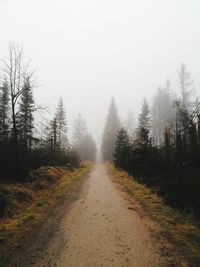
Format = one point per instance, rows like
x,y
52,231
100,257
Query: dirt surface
x,y
100,229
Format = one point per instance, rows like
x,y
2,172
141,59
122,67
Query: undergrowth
x,y
27,205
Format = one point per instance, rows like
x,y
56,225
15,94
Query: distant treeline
x,y
163,149
23,146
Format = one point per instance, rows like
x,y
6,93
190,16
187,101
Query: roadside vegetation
x,y
180,229
26,206
162,148
31,135
39,163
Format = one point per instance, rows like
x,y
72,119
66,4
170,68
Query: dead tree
x,y
15,73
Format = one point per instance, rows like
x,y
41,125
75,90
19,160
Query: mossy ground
x,y
29,204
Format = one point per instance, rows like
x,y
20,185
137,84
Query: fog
x,y
88,51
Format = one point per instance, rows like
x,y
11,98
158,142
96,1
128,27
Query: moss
x,y
31,206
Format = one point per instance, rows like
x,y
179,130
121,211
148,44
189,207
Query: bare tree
x,y
186,89
15,73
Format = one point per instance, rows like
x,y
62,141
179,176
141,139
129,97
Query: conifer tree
x,y
54,136
80,132
88,148
122,150
130,125
4,113
62,140
144,125
186,90
25,118
110,132
163,114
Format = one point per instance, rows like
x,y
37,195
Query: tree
x,y
56,134
53,138
185,83
110,132
122,150
4,113
184,105
130,125
163,114
15,72
80,132
25,118
88,148
61,126
144,125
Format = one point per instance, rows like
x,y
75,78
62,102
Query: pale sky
x,y
87,51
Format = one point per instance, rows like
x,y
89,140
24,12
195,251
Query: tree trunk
x,y
15,138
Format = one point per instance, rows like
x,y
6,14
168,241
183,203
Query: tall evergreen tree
x,y
130,125
110,132
144,125
186,90
80,132
122,150
61,121
57,133
88,148
25,118
184,106
4,113
163,114
53,138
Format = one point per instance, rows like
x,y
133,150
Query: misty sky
x,y
88,51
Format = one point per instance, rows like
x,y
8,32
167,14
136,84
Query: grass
x,y
29,204
181,230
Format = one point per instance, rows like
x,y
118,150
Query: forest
x,y
99,133
161,149
24,146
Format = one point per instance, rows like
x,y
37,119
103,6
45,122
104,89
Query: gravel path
x,y
100,230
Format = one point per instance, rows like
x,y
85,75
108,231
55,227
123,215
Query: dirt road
x,y
100,230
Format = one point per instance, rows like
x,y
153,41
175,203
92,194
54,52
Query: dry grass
x,y
180,229
29,204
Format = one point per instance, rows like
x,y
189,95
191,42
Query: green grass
x,y
29,204
181,230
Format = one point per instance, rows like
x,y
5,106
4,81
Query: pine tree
x,y
144,125
62,140
130,125
88,148
4,113
122,150
57,133
53,138
184,105
163,114
25,118
80,132
185,83
110,132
